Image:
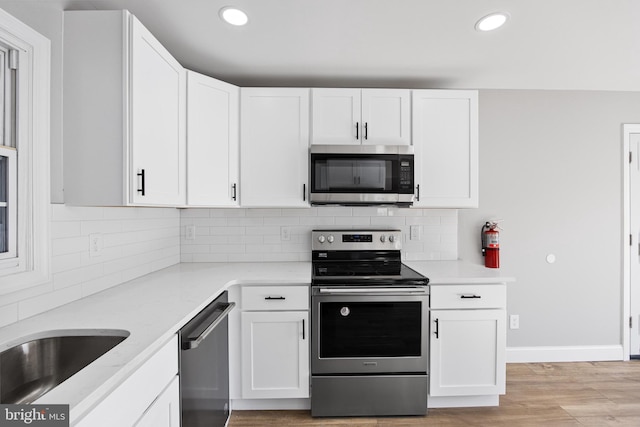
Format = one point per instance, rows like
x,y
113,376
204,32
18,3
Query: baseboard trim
x,y
593,353
270,404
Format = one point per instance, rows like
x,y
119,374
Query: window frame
x,y
7,259
32,264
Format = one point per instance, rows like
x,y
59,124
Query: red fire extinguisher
x,y
490,244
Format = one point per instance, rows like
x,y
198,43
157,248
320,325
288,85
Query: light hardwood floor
x,y
538,394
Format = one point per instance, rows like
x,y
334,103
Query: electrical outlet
x,y
191,232
285,233
96,243
514,321
415,232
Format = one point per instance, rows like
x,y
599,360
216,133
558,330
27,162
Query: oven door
x,y
369,330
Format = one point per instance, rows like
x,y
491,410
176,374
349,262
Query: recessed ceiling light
x,y
492,21
233,16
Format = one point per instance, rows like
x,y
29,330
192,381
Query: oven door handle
x,y
371,291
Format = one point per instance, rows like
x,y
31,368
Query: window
x,y
8,205
24,156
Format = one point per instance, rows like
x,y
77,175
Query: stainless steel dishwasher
x,y
204,366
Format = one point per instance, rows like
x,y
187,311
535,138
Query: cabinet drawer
x,y
468,296
274,297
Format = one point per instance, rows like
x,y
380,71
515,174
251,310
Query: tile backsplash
x,y
252,235
135,242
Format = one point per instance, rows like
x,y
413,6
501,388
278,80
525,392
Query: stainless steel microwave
x,y
362,175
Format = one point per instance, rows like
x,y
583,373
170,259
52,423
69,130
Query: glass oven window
x,y
370,329
345,175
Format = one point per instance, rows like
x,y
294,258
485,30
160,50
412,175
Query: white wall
x,y
47,20
551,167
256,234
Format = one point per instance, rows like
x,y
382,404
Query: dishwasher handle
x,y
192,342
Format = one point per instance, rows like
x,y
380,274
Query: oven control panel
x,y
349,240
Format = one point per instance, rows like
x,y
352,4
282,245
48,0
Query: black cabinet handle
x,y
357,130
437,332
418,193
366,130
470,296
274,298
235,189
141,175
303,337
304,192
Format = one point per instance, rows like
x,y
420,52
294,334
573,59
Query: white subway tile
x,y
90,227
47,301
74,213
264,212
69,245
245,221
335,211
101,283
195,249
65,262
284,220
194,213
8,314
62,229
273,229
208,257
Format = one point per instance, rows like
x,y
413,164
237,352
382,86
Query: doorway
x,y
631,239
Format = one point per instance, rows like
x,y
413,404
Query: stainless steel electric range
x,y
369,347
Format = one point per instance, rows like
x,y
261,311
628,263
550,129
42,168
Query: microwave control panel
x,y
406,173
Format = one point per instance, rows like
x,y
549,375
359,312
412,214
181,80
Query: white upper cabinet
x,y
445,139
212,141
274,147
124,114
361,116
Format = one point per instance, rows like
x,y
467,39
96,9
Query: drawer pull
x,y
274,298
470,296
437,332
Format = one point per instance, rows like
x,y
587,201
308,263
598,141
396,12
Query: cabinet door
x,y
445,139
336,116
467,353
386,116
274,147
165,410
157,122
275,354
212,141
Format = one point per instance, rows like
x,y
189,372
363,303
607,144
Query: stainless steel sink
x,y
37,364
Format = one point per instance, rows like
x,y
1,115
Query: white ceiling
x,y
547,44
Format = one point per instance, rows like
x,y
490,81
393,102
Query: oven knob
x,y
391,238
330,239
345,311
321,238
382,238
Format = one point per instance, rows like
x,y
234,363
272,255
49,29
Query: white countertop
x,y
458,272
154,307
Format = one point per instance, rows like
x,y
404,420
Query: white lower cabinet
x,y
273,342
165,410
148,397
468,340
275,354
